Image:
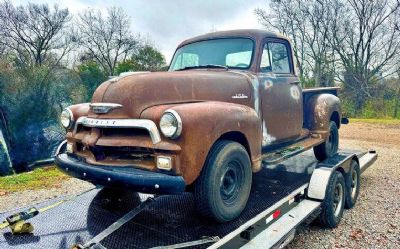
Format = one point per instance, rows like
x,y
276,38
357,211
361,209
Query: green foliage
x,y
373,108
32,99
38,179
125,66
146,58
92,76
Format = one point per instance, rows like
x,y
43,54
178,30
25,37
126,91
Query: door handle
x,y
295,82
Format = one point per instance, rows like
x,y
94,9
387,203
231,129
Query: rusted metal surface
x,y
257,109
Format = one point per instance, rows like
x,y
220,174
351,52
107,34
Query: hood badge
x,y
102,108
240,96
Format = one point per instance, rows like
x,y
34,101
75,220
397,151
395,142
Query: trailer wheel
x,y
333,204
353,184
223,187
331,144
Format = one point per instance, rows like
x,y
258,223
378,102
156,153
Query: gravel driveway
x,y
373,223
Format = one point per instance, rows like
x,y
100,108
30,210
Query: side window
x,y
279,57
275,58
265,65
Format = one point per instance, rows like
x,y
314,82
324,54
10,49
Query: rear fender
x,y
203,123
320,109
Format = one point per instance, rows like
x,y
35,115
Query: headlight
x,y
67,118
171,124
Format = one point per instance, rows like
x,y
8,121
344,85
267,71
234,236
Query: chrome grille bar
x,y
145,124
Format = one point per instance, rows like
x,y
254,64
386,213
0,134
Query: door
x,y
281,97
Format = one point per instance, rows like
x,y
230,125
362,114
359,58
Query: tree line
x,y
353,42
50,59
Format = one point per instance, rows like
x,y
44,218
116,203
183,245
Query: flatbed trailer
x,y
283,196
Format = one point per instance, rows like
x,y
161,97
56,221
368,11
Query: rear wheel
x,y
331,144
353,184
333,204
223,187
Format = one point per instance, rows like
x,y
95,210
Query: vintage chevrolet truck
x,y
230,103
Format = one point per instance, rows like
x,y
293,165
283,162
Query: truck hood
x,y
140,91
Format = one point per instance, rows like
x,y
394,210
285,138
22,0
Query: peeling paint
x,y
295,93
267,138
268,84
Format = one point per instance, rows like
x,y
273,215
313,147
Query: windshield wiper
x,y
204,66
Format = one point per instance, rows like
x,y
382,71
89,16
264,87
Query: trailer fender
x,y
322,173
318,183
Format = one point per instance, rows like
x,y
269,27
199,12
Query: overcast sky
x,y
167,23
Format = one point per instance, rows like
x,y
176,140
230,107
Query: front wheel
x,y
223,187
331,144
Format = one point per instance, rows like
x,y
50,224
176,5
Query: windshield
x,y
226,52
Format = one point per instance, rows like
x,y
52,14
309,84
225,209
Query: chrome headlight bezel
x,y
67,118
174,121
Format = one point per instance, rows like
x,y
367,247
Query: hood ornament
x,y
102,108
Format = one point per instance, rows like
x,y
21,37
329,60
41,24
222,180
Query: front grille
x,y
123,132
122,156
127,153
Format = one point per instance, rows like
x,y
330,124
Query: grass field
x,y
376,121
41,178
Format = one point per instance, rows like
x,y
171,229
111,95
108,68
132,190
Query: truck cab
x,y
230,102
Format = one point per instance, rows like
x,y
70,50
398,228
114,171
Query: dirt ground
x,y
373,223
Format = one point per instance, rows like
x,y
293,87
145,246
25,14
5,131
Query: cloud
x,y
167,23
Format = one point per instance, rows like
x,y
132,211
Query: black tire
x,y
331,144
352,185
333,205
223,187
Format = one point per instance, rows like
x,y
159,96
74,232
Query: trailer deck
x,y
172,220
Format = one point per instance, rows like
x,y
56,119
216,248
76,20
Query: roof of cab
x,y
256,34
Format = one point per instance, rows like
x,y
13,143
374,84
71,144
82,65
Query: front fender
x,y
203,123
320,109
79,110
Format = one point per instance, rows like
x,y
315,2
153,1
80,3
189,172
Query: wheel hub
x,y
338,199
230,183
354,180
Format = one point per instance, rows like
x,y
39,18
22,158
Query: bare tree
x,y
284,17
35,33
303,21
106,39
365,36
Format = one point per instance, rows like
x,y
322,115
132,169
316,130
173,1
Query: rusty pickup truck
x,y
230,102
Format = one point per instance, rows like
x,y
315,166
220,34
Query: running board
x,y
280,233
367,160
284,153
